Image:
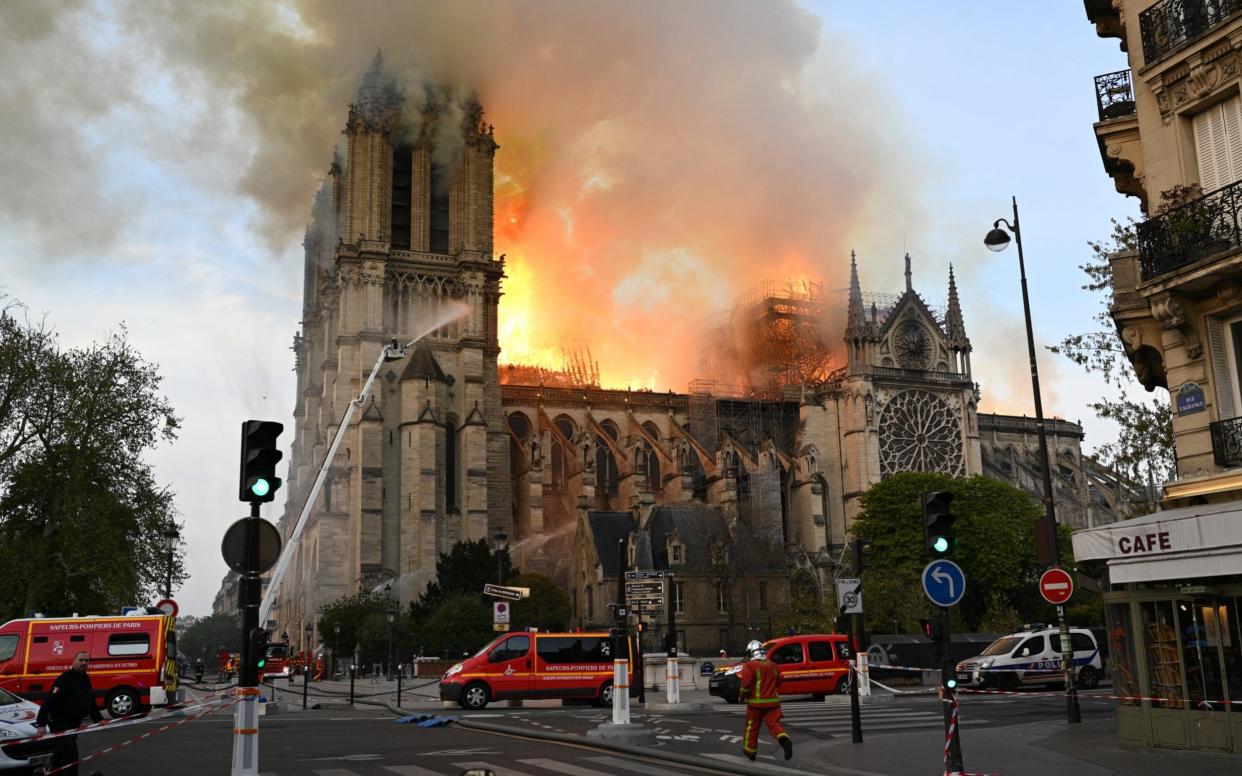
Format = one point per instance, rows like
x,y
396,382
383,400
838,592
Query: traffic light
x,y
259,456
258,648
938,523
932,629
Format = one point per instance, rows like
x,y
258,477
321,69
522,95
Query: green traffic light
x,y
939,544
951,683
260,487
262,663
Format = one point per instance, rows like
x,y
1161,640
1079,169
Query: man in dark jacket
x,y
70,700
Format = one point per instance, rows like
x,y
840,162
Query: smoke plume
x,y
656,158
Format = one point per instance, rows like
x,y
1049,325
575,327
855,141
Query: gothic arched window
x,y
607,476
920,432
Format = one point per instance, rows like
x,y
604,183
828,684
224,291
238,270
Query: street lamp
x,y
392,618
308,631
500,541
336,645
998,240
170,545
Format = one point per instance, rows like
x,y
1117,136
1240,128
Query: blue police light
x,y
260,487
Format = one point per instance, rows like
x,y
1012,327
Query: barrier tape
x,y
95,727
948,741
208,708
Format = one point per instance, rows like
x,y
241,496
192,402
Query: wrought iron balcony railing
x,y
1169,24
1227,442
1114,95
1204,227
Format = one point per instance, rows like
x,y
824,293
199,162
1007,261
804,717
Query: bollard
x,y
672,681
621,692
352,670
399,686
864,674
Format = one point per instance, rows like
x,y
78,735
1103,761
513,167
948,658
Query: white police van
x,y
1032,656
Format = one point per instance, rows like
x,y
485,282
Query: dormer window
x,y
677,553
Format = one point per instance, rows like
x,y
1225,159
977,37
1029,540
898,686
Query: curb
x,y
673,708
864,700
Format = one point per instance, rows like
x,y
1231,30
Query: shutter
x,y
1222,385
1204,149
1231,111
1218,144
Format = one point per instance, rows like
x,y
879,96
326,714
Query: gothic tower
x,y
399,248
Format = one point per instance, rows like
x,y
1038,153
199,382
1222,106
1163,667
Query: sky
x,y
138,195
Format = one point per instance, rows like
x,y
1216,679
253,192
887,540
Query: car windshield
x,y
1002,646
489,645
7,698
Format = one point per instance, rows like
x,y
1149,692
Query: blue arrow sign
x,y
944,582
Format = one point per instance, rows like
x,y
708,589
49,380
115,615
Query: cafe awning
x,y
1183,543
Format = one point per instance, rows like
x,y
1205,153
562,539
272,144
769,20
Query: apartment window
x,y
1232,336
679,597
677,553
722,597
1218,144
763,596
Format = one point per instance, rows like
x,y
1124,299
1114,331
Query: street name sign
x,y
944,582
647,574
1056,586
507,593
849,595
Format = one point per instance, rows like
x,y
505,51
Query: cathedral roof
x,y
422,365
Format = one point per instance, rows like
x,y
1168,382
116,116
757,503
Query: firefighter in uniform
x,y
760,684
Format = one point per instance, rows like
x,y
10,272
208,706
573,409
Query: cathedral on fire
x,y
733,486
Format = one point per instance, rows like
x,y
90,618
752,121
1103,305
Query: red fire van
x,y
817,665
534,665
133,659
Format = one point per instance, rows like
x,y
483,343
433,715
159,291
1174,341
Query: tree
x,y
804,609
209,634
461,622
547,608
996,547
81,515
462,570
351,614
1143,451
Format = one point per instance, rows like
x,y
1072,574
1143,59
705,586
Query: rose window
x,y
920,433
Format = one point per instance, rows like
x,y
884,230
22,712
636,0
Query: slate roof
x,y
423,365
698,526
608,528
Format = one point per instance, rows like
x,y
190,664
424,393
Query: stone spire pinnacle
x,y
856,317
909,279
378,95
954,326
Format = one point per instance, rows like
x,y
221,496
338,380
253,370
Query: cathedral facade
x,y
450,446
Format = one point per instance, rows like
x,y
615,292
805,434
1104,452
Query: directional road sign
x,y
647,593
944,582
1056,586
507,593
646,574
849,595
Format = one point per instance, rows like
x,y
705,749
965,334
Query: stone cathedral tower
x,y
401,236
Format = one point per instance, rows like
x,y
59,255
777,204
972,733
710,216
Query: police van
x,y
1032,656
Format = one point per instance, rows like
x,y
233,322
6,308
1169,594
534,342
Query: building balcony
x,y
1171,24
1227,443
1202,228
1114,95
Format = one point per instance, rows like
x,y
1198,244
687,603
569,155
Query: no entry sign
x,y
1056,586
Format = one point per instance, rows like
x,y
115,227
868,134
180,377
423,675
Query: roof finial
x,y
909,282
855,316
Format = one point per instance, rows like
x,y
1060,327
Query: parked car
x,y
817,665
1032,656
17,721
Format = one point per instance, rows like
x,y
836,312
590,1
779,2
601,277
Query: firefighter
x,y
760,682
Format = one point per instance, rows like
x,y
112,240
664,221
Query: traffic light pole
x,y
948,688
246,715
620,655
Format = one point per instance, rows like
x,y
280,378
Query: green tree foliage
x,y
804,610
461,622
208,635
81,514
547,609
1143,452
996,549
463,570
351,614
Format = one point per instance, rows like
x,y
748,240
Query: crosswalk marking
x,y
565,768
410,770
617,762
499,770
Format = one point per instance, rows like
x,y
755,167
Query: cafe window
x,y
1202,637
1164,671
1121,654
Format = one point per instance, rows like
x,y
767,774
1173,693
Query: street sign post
x,y
1056,586
849,596
944,582
500,615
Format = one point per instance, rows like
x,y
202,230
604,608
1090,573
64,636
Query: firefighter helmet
x,y
755,650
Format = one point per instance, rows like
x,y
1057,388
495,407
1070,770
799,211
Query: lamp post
x,y
307,630
998,240
170,545
336,645
500,541
391,615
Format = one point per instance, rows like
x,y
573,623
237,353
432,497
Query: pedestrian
x,y
70,700
761,681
